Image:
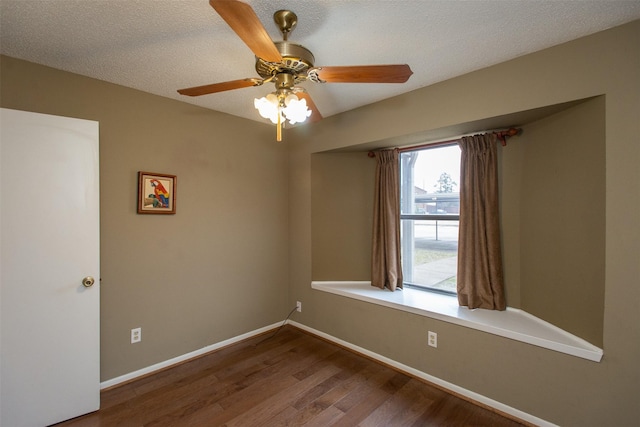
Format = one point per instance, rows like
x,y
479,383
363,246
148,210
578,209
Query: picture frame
x,y
156,193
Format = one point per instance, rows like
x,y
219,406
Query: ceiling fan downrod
x,y
286,21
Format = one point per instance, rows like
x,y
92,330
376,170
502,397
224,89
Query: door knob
x,y
88,281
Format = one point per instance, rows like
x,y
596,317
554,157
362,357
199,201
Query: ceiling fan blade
x,y
315,115
243,20
219,87
363,74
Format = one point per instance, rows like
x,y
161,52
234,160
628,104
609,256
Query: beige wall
x,y
210,272
562,219
556,387
342,202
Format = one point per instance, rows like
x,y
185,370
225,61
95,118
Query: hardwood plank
x,y
281,378
346,387
196,415
349,366
291,378
367,399
308,404
403,408
247,385
277,402
416,402
373,384
327,417
282,418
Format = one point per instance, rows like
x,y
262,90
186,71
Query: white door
x,y
49,242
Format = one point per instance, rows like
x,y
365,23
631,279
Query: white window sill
x,y
512,323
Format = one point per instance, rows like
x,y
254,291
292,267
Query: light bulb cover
x,y
268,107
295,109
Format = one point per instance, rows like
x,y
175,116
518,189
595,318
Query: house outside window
x,y
430,208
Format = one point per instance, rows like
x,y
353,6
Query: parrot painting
x,y
161,193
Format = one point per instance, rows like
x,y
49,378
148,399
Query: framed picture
x,y
156,193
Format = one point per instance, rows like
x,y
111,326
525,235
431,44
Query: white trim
x,y
429,378
512,323
167,363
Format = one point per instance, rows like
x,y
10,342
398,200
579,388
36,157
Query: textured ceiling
x,y
159,46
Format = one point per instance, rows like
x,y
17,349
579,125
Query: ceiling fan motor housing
x,y
296,60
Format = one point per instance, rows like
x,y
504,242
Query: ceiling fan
x,y
287,64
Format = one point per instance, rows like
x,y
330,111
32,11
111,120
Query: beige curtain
x,y
480,282
386,267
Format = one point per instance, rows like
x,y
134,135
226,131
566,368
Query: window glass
x,y
430,208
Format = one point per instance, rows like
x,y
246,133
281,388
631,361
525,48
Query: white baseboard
x,y
429,378
162,365
399,366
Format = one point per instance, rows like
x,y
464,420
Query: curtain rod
x,y
502,137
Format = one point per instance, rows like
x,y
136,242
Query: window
x,y
429,214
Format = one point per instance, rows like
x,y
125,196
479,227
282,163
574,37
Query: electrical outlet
x,y
136,335
298,306
432,339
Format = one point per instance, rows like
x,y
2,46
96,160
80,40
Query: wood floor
x,y
292,378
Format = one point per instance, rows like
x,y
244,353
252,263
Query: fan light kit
x,y
287,65
281,104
